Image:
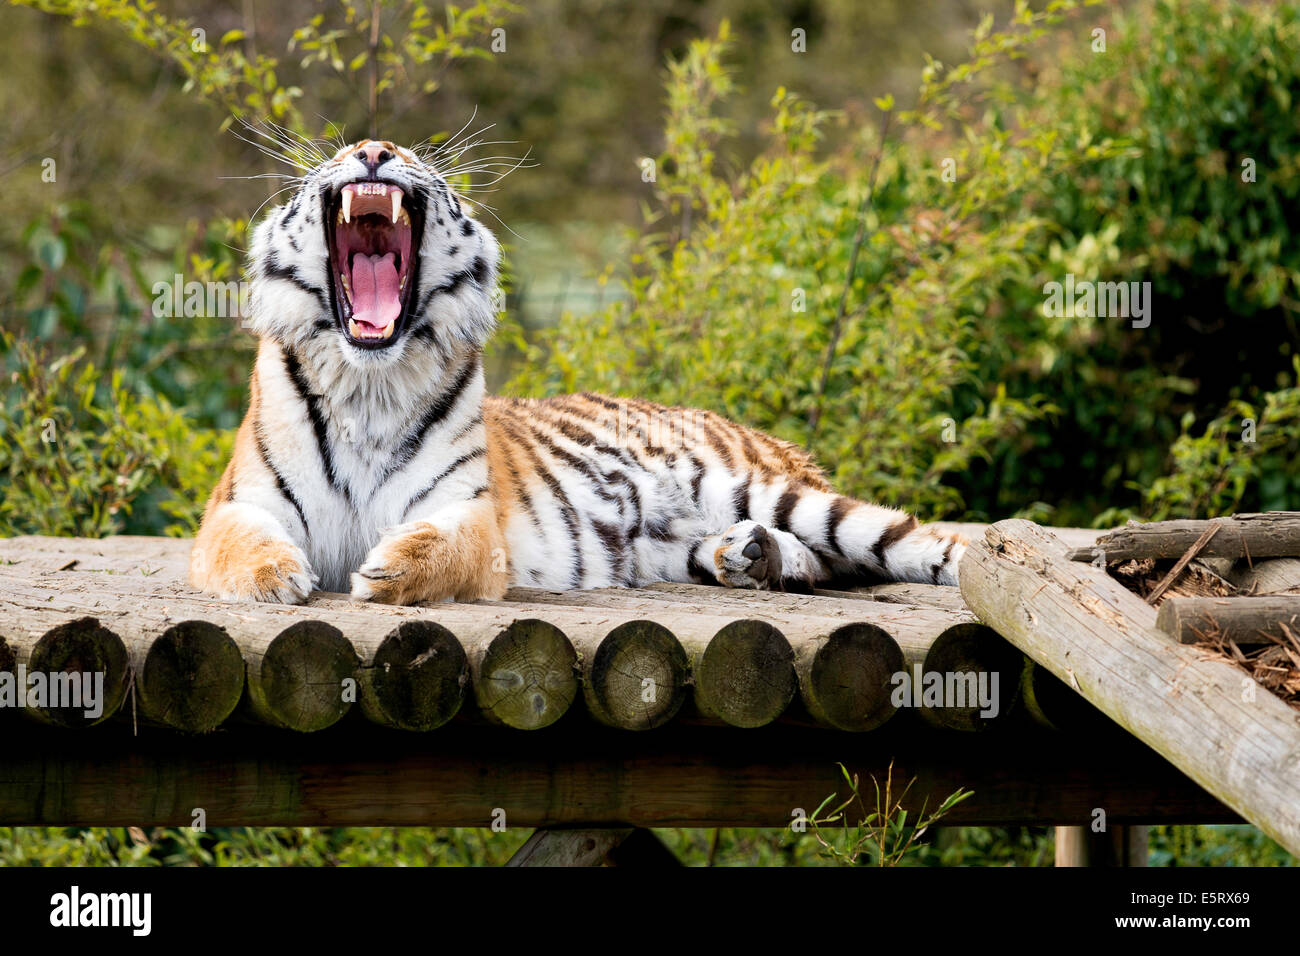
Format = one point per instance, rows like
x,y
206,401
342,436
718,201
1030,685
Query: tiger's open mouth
x,y
373,231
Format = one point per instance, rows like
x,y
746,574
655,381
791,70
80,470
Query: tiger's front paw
x,y
403,567
264,569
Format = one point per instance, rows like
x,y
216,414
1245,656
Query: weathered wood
x,y
65,667
1100,638
744,673
836,664
1122,846
577,847
1054,704
189,676
406,698
942,641
1278,576
1270,619
580,774
1211,529
297,680
980,672
635,677
915,595
136,555
525,673
415,679
1272,534
296,683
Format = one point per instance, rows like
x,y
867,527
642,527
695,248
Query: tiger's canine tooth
x,y
388,330
396,196
347,204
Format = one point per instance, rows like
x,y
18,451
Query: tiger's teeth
x,y
388,330
347,205
353,329
396,196
403,218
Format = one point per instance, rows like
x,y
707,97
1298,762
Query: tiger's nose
x,y
375,156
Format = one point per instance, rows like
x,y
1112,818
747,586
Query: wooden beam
x,y
1102,640
574,775
1270,619
1272,534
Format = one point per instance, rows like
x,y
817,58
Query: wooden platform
x,y
670,706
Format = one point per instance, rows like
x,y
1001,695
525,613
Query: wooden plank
x,y
1273,534
580,775
1102,640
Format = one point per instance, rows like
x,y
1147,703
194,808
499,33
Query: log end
x,y
302,680
528,676
637,678
746,675
974,657
89,652
417,679
848,681
192,677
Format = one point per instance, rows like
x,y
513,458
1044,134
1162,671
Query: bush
x,y
81,456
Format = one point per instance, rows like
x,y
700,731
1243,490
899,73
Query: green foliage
x,y
406,56
1193,89
882,836
834,300
78,454
1250,449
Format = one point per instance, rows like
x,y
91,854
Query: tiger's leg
x,y
832,534
249,545
243,553
856,537
457,551
748,555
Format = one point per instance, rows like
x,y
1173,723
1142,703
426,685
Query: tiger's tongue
x,y
376,299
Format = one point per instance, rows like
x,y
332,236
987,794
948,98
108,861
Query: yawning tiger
x,y
371,461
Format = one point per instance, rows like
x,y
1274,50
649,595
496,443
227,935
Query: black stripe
x,y
312,401
567,511
840,507
891,536
438,409
281,485
450,287
273,270
462,460
740,499
784,508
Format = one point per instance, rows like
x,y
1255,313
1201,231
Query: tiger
x,y
371,462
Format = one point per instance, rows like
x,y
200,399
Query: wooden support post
x,y
1117,846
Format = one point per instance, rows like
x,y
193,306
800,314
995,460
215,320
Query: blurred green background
x,y
830,220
